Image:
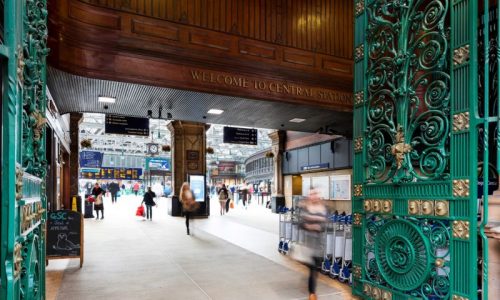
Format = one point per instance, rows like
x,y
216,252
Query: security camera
x,y
106,107
150,113
169,116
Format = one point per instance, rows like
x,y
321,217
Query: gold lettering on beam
x,y
272,87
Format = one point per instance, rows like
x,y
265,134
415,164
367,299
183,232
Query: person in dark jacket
x,y
150,202
113,188
98,193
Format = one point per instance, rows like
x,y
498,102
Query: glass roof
x,y
92,128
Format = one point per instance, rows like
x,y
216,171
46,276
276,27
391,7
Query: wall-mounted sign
x,y
126,125
315,167
90,159
114,173
235,135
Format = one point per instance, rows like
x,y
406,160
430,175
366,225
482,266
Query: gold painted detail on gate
x,y
359,52
358,190
378,206
359,98
461,188
19,182
461,122
357,219
18,259
358,144
439,208
376,293
455,297
461,230
461,55
360,7
356,272
400,148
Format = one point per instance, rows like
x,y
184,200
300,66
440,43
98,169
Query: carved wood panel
x,y
323,26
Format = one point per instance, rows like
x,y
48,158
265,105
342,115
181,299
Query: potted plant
x,y
86,143
269,154
210,150
165,148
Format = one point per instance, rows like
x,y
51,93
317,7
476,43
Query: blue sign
x,y
90,159
315,167
159,164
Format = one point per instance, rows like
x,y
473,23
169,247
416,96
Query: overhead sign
x,y
235,135
158,164
315,167
126,125
114,173
90,159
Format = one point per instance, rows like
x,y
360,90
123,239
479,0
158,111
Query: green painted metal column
x,y
415,181
23,203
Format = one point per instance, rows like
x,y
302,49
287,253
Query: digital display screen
x,y
197,184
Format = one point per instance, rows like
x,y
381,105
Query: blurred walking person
x,y
136,188
150,202
189,205
312,218
113,188
223,196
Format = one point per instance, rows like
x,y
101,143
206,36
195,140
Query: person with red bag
x,y
140,211
98,192
150,202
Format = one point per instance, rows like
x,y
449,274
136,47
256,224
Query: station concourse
x,y
241,149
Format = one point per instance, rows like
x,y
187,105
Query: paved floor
x,y
229,257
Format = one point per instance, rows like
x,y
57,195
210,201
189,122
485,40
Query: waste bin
x,y
89,210
277,202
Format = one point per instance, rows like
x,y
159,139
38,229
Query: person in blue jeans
x,y
150,202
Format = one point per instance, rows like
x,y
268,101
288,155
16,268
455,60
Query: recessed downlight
x,y
106,99
297,120
215,111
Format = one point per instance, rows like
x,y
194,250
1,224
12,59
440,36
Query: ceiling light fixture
x,y
106,99
297,120
215,111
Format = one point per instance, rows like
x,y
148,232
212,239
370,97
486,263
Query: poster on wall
x,y
197,184
340,187
321,184
306,185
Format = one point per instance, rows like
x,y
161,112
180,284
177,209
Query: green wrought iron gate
x,y
23,51
418,122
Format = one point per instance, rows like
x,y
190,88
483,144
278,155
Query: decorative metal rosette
x,y
403,255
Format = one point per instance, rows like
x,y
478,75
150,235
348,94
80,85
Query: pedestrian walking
x,y
98,193
312,219
189,205
136,188
223,197
150,202
113,189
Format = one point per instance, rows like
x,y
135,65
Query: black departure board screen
x,y
126,125
235,135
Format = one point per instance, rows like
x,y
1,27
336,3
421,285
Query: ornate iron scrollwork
x,y
408,91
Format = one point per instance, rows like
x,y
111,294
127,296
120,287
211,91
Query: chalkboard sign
x,y
126,125
64,235
235,135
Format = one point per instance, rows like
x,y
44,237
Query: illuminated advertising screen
x,y
197,184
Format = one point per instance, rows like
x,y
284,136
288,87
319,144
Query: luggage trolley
x,y
329,244
345,273
295,228
338,248
285,230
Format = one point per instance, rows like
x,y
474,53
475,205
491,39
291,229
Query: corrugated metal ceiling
x,y
79,94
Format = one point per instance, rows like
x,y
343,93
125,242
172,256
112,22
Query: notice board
x,y
65,235
235,135
126,125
